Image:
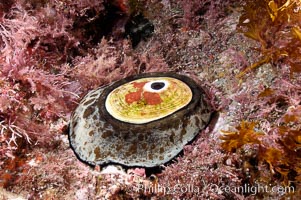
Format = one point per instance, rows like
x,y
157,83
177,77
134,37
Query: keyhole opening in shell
x,y
157,85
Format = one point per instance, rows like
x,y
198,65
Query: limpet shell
x,y
143,120
148,99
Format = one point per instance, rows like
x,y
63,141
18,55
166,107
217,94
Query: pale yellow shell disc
x,y
147,99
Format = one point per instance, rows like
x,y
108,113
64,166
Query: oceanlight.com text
x,y
190,188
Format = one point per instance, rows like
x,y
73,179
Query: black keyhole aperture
x,y
157,85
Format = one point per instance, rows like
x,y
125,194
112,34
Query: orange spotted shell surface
x,y
148,99
143,120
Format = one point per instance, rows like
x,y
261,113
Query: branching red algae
x,y
276,26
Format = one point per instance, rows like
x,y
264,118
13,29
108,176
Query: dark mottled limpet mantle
x,y
98,138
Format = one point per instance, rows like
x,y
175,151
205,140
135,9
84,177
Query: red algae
x,y
139,85
54,52
152,98
133,97
276,26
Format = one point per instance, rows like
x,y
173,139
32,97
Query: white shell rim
x,y
110,109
